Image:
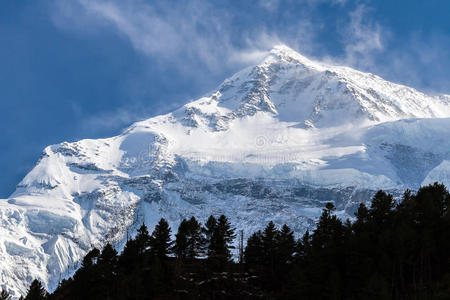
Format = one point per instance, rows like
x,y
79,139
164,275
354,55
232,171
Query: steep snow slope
x,y
275,141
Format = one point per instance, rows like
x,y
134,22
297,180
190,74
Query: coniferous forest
x,y
391,250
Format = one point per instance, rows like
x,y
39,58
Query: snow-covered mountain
x,y
275,141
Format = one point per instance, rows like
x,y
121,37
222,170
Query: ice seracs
x,y
275,141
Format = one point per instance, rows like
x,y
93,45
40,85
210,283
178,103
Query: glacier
x,y
276,141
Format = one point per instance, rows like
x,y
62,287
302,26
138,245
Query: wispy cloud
x,y
418,60
193,33
199,35
196,34
198,38
421,61
272,5
363,39
191,38
117,119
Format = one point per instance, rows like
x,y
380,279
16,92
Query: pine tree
x,y
129,257
86,277
381,207
389,252
107,270
226,235
4,295
329,230
362,217
181,240
131,277
160,240
327,255
108,257
285,245
270,234
220,236
143,239
303,247
196,240
189,240
254,251
210,235
90,259
36,291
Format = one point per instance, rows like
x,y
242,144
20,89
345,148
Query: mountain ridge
x,y
273,142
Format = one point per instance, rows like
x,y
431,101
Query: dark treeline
x,y
391,251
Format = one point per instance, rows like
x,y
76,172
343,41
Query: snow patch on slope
x,y
275,141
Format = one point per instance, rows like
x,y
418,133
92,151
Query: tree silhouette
x,y
160,242
254,251
210,230
219,237
189,240
394,249
36,291
285,245
143,239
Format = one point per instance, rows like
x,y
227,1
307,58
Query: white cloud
x,y
420,61
109,120
363,39
198,39
192,34
270,5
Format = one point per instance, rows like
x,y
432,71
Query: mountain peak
x,y
285,54
294,88
282,48
274,141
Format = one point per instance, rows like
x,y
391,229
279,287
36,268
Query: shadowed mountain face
x,y
275,141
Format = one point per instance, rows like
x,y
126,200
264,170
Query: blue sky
x,y
87,69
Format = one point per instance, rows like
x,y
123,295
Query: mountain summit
x,y
296,89
273,142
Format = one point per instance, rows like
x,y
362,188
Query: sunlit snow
x,y
275,141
